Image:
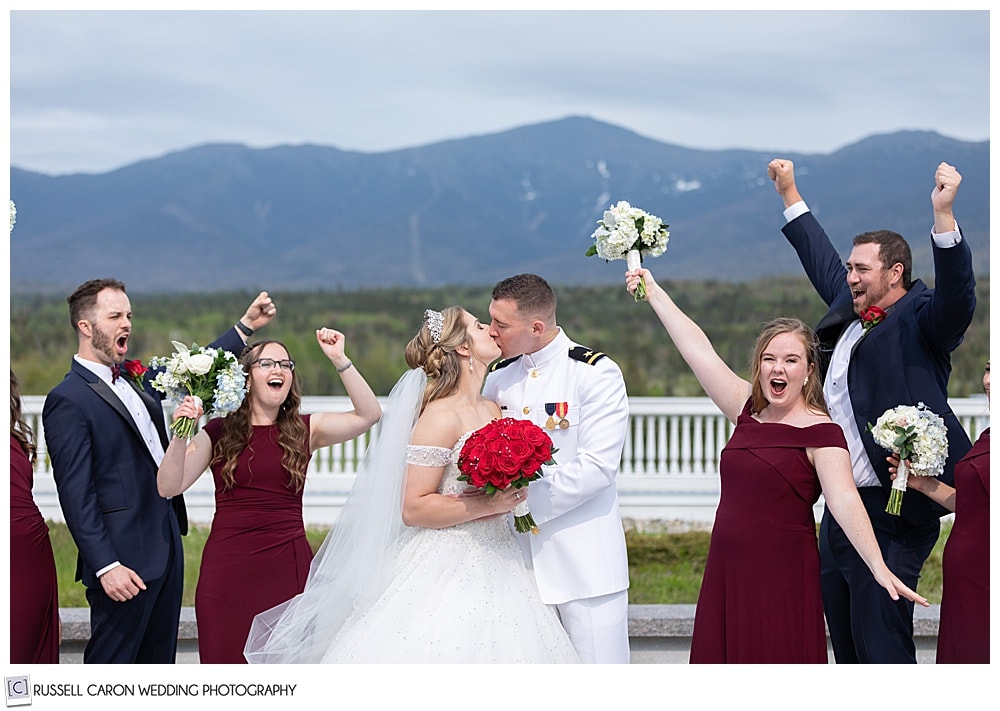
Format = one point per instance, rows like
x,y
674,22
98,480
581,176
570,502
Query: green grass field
x,y
664,568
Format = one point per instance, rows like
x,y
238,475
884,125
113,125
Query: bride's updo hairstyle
x,y
433,350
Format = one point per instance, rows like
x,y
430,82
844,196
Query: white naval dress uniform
x,y
578,555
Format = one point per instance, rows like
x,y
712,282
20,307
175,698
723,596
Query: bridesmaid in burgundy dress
x,y
34,593
964,629
760,598
257,555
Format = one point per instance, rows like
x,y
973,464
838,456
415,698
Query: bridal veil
x,y
349,569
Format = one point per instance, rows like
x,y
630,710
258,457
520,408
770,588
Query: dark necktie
x,y
116,370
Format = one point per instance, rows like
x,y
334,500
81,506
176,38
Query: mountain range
x,y
221,217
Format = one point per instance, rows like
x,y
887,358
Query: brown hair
x,y
532,294
439,360
84,299
237,429
812,391
19,429
892,249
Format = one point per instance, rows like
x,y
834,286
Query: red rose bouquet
x,y
505,453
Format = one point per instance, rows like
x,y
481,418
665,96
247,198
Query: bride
x,y
414,571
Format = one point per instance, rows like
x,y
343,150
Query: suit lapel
x,y
104,391
155,413
890,313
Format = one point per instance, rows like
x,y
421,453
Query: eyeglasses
x,y
268,363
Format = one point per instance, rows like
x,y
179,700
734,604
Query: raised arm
x,y
258,314
782,172
946,182
326,428
953,301
816,253
728,391
833,466
184,461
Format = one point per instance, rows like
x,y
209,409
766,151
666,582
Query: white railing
x,y
669,468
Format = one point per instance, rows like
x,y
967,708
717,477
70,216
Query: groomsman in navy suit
x,y
904,359
106,435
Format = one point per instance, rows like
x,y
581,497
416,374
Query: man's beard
x,y
103,343
873,297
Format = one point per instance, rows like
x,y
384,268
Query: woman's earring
x,y
806,381
470,364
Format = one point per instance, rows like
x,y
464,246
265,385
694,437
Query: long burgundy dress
x,y
964,631
34,592
760,599
257,555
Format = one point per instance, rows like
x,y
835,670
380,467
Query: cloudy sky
x,y
92,91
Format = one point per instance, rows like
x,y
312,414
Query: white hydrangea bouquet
x,y
628,233
915,434
213,376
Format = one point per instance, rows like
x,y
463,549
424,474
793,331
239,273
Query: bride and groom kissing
x,y
417,569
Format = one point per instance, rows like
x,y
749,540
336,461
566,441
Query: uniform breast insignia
x,y
562,408
559,409
503,363
586,355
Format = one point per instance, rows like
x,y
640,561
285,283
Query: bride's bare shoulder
x,y
437,426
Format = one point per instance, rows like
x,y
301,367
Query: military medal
x,y
550,409
561,409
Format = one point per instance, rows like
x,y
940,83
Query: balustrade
x,y
669,467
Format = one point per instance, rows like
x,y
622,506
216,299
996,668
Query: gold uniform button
x,y
526,410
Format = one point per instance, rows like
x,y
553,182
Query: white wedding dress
x,y
461,594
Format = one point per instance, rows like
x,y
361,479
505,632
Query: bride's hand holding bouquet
x,y
502,458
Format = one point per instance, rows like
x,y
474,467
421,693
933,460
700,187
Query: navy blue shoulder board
x,y
586,355
502,363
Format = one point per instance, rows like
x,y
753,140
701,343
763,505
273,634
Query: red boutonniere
x,y
135,370
871,317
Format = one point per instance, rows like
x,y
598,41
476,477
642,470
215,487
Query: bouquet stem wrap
x,y
523,522
633,259
898,489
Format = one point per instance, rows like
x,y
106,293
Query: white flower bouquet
x,y
213,376
915,434
628,233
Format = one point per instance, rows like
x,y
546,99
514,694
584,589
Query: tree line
x,y
379,322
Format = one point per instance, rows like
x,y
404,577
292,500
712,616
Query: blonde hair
x,y
437,357
812,391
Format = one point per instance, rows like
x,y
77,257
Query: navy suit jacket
x,y
106,477
905,359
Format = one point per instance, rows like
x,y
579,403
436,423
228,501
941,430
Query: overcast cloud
x,y
92,91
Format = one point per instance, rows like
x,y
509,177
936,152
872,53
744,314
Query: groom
x,y
578,395
106,436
